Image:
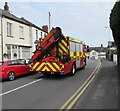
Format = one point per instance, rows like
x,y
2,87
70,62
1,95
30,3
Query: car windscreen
x,y
1,63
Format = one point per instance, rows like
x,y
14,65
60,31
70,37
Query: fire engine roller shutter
x,y
72,49
77,55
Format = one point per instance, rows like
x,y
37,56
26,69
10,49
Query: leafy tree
x,y
115,26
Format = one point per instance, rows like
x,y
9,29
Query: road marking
x,y
78,96
19,87
75,94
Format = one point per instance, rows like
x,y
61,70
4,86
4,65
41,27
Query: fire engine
x,y
57,54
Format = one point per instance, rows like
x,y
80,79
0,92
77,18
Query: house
x,y
17,36
97,52
36,33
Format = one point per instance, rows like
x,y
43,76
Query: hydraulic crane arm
x,y
49,42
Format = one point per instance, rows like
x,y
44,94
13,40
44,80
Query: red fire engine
x,y
57,54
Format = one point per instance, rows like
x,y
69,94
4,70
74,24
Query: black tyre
x,y
11,76
73,70
84,64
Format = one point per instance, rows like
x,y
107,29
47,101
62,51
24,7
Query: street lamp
x,y
49,21
108,32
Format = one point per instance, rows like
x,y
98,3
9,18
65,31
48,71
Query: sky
x,y
85,21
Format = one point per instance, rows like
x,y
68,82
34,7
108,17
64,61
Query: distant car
x,y
12,68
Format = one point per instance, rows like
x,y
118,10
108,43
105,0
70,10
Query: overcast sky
x,y
85,21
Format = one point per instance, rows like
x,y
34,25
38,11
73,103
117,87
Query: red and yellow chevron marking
x,y
62,46
47,66
75,54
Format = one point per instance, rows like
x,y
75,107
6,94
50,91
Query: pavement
x,y
103,92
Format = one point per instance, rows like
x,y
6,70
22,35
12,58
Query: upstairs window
x,y
41,34
21,33
9,29
36,34
93,53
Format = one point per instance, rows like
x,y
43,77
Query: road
x,y
38,92
103,92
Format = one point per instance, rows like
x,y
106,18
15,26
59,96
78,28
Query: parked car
x,y
12,68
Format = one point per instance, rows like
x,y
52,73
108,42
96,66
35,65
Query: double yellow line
x,y
73,99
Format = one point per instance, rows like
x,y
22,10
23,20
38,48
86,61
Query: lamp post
x,y
49,21
108,28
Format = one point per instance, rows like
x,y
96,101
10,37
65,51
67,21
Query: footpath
x,y
103,92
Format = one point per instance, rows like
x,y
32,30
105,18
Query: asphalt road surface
x,y
36,91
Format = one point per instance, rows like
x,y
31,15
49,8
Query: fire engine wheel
x,y
84,64
11,76
73,70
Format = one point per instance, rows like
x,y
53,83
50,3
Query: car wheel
x,y
11,76
73,70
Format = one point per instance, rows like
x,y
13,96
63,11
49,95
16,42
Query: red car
x,y
12,68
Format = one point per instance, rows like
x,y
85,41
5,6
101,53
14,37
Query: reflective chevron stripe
x,y
51,66
62,46
47,66
35,65
75,54
40,66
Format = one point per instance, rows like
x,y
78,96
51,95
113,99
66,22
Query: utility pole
x,y
49,22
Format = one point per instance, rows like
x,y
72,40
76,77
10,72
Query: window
x,y
21,62
21,32
12,63
19,52
36,34
25,52
41,34
9,29
93,53
9,51
14,51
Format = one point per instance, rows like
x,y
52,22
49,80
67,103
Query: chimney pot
x,y
6,7
45,28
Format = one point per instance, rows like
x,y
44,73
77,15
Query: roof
x,y
22,20
8,15
98,49
75,40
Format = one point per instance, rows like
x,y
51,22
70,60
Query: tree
x,y
115,26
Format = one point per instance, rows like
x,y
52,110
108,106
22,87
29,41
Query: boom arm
x,y
49,42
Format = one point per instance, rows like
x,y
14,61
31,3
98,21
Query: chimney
x,y
45,28
6,7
